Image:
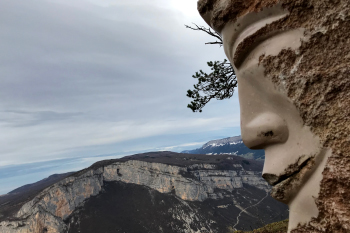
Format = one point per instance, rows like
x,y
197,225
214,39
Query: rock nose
x,y
263,130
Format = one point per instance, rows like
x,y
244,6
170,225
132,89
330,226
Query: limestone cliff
x,y
50,209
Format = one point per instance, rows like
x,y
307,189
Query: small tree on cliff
x,y
219,84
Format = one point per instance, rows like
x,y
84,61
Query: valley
x,y
150,192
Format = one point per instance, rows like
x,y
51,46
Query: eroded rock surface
x,y
316,79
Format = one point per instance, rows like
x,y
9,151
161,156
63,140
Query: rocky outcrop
x,y
229,180
48,211
166,178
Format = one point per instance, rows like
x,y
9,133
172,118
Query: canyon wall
x,y
48,211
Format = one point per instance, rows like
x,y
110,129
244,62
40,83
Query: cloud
x,y
79,77
172,148
18,118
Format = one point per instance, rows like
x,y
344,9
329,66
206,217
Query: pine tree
x,y
219,84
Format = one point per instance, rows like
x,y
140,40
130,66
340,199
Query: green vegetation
x,y
276,227
218,84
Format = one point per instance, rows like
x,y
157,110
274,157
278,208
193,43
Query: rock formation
x,y
54,208
293,58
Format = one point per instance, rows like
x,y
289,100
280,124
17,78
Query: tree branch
x,y
208,31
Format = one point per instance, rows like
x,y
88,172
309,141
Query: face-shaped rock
x,y
291,96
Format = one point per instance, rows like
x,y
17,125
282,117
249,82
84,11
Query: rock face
x,y
50,210
167,178
316,78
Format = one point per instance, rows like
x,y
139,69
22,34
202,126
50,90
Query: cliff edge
x,y
188,180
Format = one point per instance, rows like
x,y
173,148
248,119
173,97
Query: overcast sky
x,y
86,80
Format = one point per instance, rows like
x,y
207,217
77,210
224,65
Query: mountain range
x,y
231,145
150,192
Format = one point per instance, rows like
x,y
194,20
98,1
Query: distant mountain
x,y
14,200
232,146
42,184
153,192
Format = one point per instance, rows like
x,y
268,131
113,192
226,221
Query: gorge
x,y
151,192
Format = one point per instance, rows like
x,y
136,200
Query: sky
x,y
87,80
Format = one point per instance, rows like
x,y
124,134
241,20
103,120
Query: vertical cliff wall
x,y
49,210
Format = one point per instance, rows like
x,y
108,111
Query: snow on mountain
x,y
231,145
221,142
